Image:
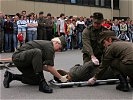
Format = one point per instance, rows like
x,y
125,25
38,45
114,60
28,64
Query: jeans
x,y
69,42
117,33
8,38
131,36
32,35
1,41
79,35
15,40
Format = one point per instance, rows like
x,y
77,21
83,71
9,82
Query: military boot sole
x,y
46,91
123,88
43,87
7,79
131,84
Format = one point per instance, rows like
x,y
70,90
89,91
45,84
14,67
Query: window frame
x,y
90,3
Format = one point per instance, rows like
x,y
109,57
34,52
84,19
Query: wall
x,y
14,6
126,8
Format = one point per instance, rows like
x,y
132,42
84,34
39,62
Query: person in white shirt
x,y
61,25
32,25
22,25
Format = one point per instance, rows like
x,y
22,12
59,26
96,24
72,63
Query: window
x,y
66,1
116,4
79,2
52,0
44,0
60,1
73,1
108,3
97,2
91,2
37,0
85,2
102,3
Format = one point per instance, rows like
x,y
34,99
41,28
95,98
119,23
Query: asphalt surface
x,y
63,60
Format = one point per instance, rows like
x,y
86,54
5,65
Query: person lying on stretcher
x,y
84,73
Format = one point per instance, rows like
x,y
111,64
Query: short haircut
x,y
48,14
62,14
40,13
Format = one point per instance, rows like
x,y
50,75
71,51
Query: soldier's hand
x,y
95,61
92,81
63,78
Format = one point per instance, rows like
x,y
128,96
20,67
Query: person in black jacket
x,y
8,32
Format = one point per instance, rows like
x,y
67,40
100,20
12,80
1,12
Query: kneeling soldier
x,y
32,58
118,55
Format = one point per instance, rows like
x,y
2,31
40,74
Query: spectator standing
x,y
130,30
74,35
22,27
123,26
123,31
8,32
15,32
88,22
41,30
55,26
61,25
32,25
115,28
24,13
49,27
70,31
106,24
80,25
1,32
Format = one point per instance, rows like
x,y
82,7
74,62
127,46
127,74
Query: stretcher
x,y
84,83
6,63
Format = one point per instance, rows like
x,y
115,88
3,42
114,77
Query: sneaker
x,y
7,79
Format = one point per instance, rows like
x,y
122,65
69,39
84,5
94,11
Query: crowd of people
x,y
44,27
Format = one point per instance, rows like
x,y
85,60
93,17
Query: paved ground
x,y
63,60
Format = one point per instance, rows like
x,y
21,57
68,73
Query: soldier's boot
x,y
123,85
9,77
43,86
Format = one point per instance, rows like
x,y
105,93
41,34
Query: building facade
x,y
122,8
